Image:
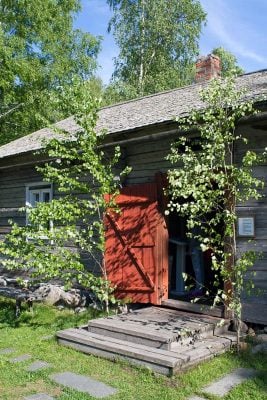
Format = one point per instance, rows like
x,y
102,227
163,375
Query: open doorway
x,y
186,257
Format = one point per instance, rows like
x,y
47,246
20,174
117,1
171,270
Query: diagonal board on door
x,y
136,253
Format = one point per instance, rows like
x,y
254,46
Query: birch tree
x,y
40,54
158,42
229,63
83,175
209,184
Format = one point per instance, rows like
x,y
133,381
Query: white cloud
x,y
234,30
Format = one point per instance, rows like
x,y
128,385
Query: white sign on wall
x,y
246,226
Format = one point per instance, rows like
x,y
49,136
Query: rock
x,y
259,332
222,386
37,366
251,332
243,346
12,281
21,358
123,309
79,310
259,348
233,326
57,296
96,306
3,282
262,338
84,384
72,298
38,396
49,294
48,337
265,329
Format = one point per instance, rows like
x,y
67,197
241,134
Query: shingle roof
x,y
134,114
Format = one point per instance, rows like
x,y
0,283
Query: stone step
x,y
162,361
165,331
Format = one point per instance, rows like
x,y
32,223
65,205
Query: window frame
x,y
41,188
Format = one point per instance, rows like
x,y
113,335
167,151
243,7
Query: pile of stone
x,y
260,341
7,281
56,295
53,294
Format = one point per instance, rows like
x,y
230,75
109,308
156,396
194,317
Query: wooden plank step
x,y
130,331
163,322
157,327
194,307
134,326
161,361
174,319
170,357
207,349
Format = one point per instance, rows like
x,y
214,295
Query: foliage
x,y
117,91
229,64
40,53
83,174
157,42
208,183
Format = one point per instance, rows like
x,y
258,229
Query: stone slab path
x,y
222,386
77,382
7,351
83,384
196,398
97,389
48,337
37,365
229,381
39,396
23,357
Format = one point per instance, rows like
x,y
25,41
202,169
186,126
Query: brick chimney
x,y
207,68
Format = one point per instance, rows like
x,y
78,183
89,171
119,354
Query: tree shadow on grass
x,y
7,314
42,316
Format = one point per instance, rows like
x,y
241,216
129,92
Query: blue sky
x,y
238,25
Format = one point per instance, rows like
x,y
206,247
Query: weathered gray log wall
x,y
13,193
147,158
13,182
150,157
255,304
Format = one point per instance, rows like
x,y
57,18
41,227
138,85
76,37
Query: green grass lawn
x,y
26,335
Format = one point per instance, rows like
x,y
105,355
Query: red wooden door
x,y
136,255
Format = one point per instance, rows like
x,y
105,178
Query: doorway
x,y
191,278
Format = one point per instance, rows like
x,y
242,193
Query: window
x,y
37,193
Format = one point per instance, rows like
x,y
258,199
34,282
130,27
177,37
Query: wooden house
x,y
146,254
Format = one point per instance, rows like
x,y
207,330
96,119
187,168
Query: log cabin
x,y
146,253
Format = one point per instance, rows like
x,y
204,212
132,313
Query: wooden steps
x,y
131,332
161,361
217,311
207,349
163,333
164,340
